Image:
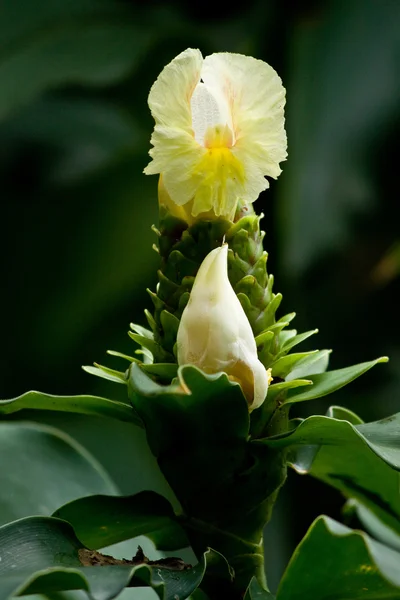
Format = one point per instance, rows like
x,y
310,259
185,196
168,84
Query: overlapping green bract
x,y
182,249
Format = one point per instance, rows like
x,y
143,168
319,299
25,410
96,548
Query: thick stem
x,y
245,560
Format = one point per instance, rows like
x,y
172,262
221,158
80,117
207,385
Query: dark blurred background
x,y
76,244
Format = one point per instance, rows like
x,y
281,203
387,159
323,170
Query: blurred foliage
x,y
76,244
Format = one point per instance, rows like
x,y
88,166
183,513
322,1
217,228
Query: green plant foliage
x,y
361,460
189,417
198,429
76,219
372,524
101,521
256,592
41,555
83,405
326,383
333,561
58,470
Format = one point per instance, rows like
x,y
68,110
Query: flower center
x,y
210,111
219,173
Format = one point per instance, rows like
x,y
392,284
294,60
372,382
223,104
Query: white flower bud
x,y
214,333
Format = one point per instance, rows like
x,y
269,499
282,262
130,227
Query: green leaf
x,y
326,383
312,365
44,468
294,340
283,386
372,524
41,554
164,371
361,460
106,373
143,331
101,521
284,365
265,337
149,344
130,359
83,405
256,592
95,42
333,561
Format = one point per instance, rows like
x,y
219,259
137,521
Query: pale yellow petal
x,y
169,98
257,98
175,152
175,155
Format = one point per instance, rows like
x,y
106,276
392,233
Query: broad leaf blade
x,y
360,460
83,405
42,555
333,561
44,468
372,524
100,521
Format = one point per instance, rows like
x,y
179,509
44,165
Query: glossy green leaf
x,y
333,561
311,365
283,386
294,340
165,371
326,383
126,357
84,405
361,460
100,521
285,364
40,554
43,469
372,524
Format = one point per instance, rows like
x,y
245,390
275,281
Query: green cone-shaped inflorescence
x,y
182,249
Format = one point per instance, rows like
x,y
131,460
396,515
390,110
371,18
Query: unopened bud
x,y
214,333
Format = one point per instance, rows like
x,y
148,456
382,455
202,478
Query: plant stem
x,y
245,558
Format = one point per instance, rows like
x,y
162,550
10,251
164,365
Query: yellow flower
x,y
214,333
219,130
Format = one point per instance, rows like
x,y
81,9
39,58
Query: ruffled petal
x,y
176,155
169,98
257,98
